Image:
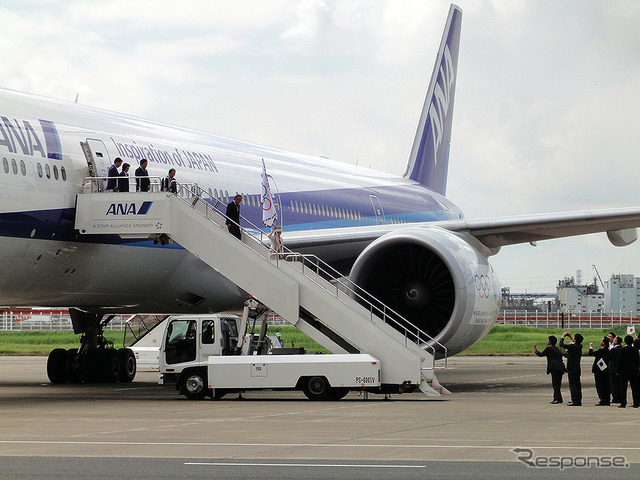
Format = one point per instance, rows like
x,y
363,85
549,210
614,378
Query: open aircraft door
x,y
97,158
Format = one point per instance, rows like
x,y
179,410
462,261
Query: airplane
x,y
398,237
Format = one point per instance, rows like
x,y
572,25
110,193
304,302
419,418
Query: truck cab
x,y
190,340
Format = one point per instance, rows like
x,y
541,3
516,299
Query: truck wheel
x,y
194,386
316,388
57,366
338,393
219,393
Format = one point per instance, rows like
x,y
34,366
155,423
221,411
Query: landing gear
x,y
127,365
57,366
96,360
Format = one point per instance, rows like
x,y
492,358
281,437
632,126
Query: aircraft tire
x,y
91,366
112,366
194,385
316,388
57,366
128,365
74,371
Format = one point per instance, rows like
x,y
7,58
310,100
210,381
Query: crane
x,y
599,278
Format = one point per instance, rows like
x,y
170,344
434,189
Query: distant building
x,y
622,294
574,298
540,302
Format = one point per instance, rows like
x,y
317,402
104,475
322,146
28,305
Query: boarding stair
x,y
302,289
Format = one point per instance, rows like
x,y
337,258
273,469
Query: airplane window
x,y
55,172
5,162
215,193
47,170
39,169
23,168
14,166
226,196
63,173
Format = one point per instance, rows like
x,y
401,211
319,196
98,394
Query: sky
x,y
547,105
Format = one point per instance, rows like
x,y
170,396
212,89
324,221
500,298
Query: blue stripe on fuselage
x,y
341,208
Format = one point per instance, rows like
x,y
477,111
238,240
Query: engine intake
x,y
436,280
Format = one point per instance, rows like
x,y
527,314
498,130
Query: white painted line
x,y
318,445
306,465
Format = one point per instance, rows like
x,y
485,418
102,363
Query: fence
x,y
569,320
18,321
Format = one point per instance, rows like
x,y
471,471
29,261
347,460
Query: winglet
x,y
429,158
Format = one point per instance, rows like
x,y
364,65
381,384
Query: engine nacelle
x,y
436,279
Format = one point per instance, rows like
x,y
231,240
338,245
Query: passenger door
x,y
98,159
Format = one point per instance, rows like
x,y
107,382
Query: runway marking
x,y
308,465
219,420
307,445
506,378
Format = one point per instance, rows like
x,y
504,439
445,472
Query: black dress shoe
x,y
622,405
571,404
555,402
600,404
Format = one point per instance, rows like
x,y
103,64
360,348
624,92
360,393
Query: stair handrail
x,y
187,193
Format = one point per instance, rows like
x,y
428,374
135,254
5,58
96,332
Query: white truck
x,y
209,355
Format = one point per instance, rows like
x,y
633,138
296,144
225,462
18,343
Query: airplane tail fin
x,y
429,159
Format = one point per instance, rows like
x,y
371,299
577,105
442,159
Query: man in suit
x,y
555,366
113,175
233,216
574,354
614,361
600,370
628,370
142,184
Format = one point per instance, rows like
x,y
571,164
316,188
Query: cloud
x,y
547,96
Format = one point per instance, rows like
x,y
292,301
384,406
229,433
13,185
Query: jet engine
x,y
439,281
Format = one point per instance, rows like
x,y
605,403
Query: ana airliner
x,y
399,238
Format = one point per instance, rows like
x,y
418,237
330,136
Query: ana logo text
x,y
128,208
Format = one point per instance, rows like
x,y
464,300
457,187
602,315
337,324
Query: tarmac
x,y
498,417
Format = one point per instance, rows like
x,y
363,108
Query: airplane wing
x,y
620,225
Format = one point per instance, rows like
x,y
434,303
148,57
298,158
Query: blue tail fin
x,y
429,158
